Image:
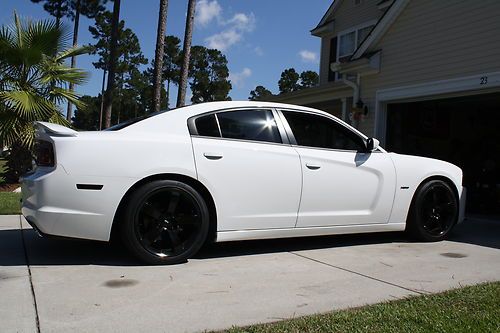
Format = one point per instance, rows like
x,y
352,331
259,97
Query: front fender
x,y
411,171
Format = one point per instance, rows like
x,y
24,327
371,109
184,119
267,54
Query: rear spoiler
x,y
54,129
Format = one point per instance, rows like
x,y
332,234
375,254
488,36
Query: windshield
x,y
134,120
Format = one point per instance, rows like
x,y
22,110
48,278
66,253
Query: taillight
x,y
44,154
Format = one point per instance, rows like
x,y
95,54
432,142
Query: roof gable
x,y
327,17
381,27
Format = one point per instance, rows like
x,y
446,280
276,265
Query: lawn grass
x,y
469,309
9,203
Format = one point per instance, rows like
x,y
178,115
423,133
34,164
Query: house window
x,y
350,41
347,44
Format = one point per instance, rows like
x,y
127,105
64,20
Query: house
x,y
423,76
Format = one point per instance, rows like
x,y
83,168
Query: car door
x,y
343,184
254,177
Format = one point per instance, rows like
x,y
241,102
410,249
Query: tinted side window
x,y
207,126
317,131
256,125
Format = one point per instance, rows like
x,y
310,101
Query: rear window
x,y
207,126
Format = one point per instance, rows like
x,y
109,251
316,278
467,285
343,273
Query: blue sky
x,y
260,38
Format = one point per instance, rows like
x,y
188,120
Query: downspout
x,y
355,88
355,95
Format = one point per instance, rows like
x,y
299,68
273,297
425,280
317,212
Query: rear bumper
x,y
53,205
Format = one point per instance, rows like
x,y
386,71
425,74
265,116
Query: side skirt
x,y
226,236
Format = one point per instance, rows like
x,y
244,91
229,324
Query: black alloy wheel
x,y
434,211
166,222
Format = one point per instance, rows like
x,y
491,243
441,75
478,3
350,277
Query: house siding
x,y
435,40
346,16
349,15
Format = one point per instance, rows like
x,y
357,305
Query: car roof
x,y
169,121
196,109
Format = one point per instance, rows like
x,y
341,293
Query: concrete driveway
x,y
49,285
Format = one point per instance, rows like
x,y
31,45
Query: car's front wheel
x,y
433,212
165,222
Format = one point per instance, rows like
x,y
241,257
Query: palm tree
x,y
160,44
188,36
34,78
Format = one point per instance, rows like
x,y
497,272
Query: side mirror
x,y
372,144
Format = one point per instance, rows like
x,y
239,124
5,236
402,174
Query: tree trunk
x,y
102,99
73,59
188,36
108,100
160,43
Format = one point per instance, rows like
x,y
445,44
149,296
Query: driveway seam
x,y
360,274
37,319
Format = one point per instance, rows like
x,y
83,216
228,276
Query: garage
x,y
462,130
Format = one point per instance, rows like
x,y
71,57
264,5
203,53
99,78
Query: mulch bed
x,y
8,187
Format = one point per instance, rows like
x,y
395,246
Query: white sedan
x,y
226,171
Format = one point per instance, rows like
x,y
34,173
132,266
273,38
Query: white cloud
x,y
238,79
242,22
308,56
207,11
223,40
235,28
258,51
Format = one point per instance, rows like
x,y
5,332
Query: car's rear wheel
x,y
434,211
165,222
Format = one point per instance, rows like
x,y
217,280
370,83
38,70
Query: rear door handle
x,y
312,166
212,156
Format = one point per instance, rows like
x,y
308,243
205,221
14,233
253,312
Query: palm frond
x,y
73,52
27,104
53,72
62,95
43,36
58,118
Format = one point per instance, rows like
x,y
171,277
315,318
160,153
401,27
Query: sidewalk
x,y
89,286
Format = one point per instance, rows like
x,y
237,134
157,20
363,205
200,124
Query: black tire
x,y
165,222
433,212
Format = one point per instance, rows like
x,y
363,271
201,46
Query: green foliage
x,y
470,309
289,81
171,62
86,118
61,8
309,79
260,93
33,78
10,203
56,8
18,162
209,75
129,54
133,94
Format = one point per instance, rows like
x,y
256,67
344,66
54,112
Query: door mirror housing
x,y
372,144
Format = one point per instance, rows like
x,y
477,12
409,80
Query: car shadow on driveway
x,y
53,251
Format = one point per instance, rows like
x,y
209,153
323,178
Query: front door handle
x,y
212,156
312,166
